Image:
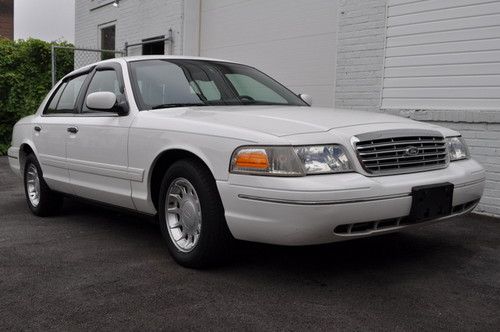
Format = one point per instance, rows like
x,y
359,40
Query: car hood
x,y
280,121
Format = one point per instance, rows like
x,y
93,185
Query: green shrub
x,y
25,79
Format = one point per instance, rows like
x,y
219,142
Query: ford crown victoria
x,y
220,151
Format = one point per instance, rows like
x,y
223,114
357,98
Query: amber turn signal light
x,y
252,160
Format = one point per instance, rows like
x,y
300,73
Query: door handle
x,y
72,129
38,128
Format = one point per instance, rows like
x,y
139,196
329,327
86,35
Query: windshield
x,y
177,83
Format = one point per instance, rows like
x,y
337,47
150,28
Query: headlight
x,y
290,161
457,148
323,159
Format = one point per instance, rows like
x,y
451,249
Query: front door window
x,y
103,81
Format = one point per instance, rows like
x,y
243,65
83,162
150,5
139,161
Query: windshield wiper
x,y
177,105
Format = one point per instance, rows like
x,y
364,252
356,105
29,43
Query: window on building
x,y
154,48
108,41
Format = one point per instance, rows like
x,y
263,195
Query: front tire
x,y
191,216
41,200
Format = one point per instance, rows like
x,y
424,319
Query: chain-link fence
x,y
62,55
65,59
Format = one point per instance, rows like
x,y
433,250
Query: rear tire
x,y
41,200
191,216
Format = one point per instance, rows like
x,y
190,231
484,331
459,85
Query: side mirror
x,y
307,98
106,101
101,101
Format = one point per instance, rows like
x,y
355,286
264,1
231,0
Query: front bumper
x,y
308,210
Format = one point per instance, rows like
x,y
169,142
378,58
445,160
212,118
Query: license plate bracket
x,y
431,201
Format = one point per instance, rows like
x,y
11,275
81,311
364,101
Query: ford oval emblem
x,y
411,151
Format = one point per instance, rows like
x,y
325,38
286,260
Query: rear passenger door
x,y
97,153
50,132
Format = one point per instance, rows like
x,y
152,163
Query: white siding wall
x,y
295,42
442,54
362,36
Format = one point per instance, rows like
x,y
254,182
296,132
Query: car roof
x,y
171,57
141,58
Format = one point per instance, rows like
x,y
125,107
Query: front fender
x,y
189,149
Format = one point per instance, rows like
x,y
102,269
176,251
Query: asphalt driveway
x,y
93,268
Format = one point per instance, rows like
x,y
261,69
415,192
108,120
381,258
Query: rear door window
x,y
64,100
52,108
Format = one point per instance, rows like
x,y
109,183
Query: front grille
x,y
401,154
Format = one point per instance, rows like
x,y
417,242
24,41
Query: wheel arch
x,y
25,149
163,161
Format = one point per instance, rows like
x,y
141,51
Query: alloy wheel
x,y
33,185
183,214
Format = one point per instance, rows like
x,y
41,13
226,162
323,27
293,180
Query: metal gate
x,y
65,59
168,39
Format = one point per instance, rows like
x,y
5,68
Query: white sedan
x,y
220,151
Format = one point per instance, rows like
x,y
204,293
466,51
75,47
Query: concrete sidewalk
x,y
96,268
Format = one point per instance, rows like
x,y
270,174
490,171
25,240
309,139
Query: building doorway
x,y
108,41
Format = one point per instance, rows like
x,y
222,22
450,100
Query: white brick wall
x,y
484,142
360,66
135,21
360,57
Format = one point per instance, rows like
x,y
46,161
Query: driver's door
x,y
97,155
